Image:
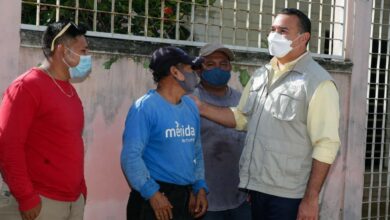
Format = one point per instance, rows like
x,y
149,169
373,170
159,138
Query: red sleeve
x,y
17,112
84,190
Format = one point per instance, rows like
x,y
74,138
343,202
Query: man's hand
x,y
192,204
32,213
161,206
220,115
197,101
200,204
309,208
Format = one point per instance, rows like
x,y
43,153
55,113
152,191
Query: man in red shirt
x,y
41,124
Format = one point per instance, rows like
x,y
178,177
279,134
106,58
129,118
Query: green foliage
x,y
107,65
121,19
146,64
244,75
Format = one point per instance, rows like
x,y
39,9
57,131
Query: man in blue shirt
x,y
162,155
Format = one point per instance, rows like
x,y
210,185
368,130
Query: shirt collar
x,y
288,66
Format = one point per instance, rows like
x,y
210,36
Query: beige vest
x,y
277,155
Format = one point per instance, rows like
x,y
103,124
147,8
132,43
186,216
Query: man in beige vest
x,y
290,109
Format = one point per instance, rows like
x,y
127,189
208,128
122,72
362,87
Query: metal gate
x,y
376,198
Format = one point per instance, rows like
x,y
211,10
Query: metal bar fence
x,y
376,196
241,25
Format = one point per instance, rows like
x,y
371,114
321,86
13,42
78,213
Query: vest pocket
x,y
271,172
283,170
255,91
285,107
296,171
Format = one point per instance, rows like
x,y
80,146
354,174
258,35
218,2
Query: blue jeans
x,y
269,207
242,212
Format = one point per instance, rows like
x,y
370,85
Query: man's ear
x,y
301,40
59,50
176,73
306,37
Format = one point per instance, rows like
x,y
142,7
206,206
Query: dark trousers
x,y
269,207
140,209
242,212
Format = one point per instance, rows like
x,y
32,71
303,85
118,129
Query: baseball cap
x,y
165,57
214,47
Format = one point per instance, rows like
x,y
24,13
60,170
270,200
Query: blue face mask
x,y
216,77
82,69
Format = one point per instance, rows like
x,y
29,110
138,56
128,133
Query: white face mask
x,y
278,45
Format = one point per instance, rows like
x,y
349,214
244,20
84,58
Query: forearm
x,y
17,112
220,115
14,171
317,178
309,206
140,180
84,189
136,172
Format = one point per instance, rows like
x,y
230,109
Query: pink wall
x,y
333,190
106,96
9,43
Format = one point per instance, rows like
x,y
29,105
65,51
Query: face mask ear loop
x,y
73,51
66,63
300,35
63,59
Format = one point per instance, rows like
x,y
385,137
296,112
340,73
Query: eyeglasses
x,y
64,29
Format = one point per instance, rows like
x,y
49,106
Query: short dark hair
x,y
58,33
164,72
158,75
304,21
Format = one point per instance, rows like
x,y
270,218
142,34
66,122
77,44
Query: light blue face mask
x,y
216,77
82,69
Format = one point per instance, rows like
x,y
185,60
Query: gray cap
x,y
214,47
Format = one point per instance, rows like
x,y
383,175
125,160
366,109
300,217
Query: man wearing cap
x,y
162,155
222,146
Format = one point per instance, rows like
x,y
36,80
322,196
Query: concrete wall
x,y
333,191
107,95
9,43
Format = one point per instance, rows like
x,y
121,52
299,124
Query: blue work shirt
x,y
161,141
